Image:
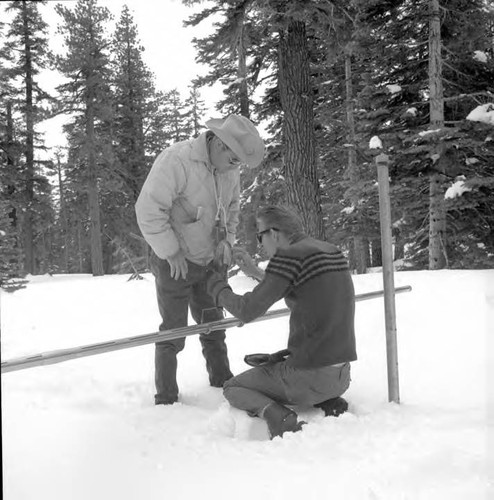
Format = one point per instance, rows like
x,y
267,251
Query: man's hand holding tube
x,y
215,284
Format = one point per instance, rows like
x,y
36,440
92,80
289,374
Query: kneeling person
x,y
314,279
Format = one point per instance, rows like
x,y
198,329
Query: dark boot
x,y
280,419
333,407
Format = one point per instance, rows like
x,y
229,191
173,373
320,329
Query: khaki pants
x,y
253,389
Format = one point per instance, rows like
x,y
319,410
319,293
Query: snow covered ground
x,y
88,429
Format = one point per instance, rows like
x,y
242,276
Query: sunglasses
x,y
260,234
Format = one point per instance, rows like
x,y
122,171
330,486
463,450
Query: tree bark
x,y
437,223
360,246
437,211
28,232
80,250
63,216
399,250
11,162
92,191
303,191
248,221
377,256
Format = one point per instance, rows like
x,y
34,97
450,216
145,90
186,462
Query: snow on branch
x,y
375,143
483,113
457,188
393,88
480,56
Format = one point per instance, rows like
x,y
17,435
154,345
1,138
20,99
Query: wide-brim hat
x,y
241,136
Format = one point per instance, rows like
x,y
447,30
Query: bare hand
x,y
246,263
178,265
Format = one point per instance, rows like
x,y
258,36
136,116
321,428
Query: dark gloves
x,y
266,359
215,284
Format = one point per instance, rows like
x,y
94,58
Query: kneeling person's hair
x,y
282,219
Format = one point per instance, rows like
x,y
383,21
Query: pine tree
x,y
10,263
134,97
271,32
63,216
298,126
437,212
227,51
195,110
394,97
175,115
86,66
133,91
335,52
10,271
235,54
26,53
75,196
156,136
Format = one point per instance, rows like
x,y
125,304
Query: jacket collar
x,y
298,237
200,150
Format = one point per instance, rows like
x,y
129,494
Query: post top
x,y
382,159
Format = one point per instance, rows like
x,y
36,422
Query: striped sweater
x,y
313,278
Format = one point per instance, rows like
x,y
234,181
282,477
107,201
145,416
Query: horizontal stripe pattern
x,y
321,263
298,271
285,267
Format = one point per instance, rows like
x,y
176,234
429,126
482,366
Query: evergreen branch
x,y
137,237
115,242
455,70
485,93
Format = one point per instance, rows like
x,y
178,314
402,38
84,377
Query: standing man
x,y
314,278
188,212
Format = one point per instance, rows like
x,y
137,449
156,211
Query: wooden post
x,y
382,162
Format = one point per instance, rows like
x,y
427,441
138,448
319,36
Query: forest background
x,y
324,79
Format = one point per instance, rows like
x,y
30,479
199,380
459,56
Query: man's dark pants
x,y
174,299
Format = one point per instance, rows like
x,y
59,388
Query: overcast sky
x,y
169,52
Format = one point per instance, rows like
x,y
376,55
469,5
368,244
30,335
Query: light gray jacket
x,y
181,199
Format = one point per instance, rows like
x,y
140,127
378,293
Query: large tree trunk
x,y
28,232
11,162
298,128
359,243
377,257
92,191
437,223
248,219
80,248
437,211
63,216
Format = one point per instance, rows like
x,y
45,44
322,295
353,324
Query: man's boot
x,y
333,407
280,419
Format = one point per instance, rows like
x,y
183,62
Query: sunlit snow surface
x,y
87,429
